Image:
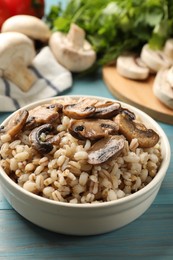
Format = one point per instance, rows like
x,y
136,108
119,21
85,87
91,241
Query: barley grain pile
x,y
65,175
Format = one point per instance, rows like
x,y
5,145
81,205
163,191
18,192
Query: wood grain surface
x,y
137,93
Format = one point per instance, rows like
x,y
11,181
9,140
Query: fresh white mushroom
x,y
29,25
155,59
16,53
72,50
163,87
168,48
132,67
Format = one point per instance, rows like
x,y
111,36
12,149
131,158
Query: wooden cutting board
x,y
137,93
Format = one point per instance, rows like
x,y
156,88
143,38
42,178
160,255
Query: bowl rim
x,y
155,181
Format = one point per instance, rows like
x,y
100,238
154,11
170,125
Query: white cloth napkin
x,y
52,80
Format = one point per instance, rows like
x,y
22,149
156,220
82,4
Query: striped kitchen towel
x,y
52,79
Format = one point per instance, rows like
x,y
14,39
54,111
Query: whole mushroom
x,y
72,50
16,54
29,25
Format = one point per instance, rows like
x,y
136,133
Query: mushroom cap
x,y
132,67
14,45
72,58
155,59
162,87
168,48
29,25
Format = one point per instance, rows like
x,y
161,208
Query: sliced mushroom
x,y
16,123
130,129
107,110
105,149
155,59
29,25
132,67
82,109
163,87
40,142
128,113
92,129
16,54
168,49
72,50
48,113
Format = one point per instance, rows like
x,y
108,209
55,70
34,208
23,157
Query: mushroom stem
x,y
21,76
76,36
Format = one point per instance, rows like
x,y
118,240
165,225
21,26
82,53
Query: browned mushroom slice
x,y
105,148
107,110
128,113
43,114
130,129
92,129
82,109
15,125
40,142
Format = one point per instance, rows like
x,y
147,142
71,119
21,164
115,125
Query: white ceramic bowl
x,y
87,219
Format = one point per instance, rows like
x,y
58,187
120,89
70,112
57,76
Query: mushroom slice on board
x,y
163,87
16,123
40,142
147,138
72,50
155,59
92,129
105,149
29,25
16,54
132,67
107,110
81,109
48,113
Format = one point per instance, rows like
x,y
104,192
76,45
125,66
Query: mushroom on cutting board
x,y
163,87
132,67
168,48
72,50
29,25
155,59
16,54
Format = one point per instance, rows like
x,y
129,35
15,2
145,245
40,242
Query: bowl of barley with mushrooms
x,y
81,165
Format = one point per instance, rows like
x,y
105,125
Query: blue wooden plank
x,y
3,202
150,236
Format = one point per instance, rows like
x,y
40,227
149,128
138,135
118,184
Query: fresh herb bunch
x,y
116,26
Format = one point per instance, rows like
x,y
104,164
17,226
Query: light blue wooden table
x,y
148,237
